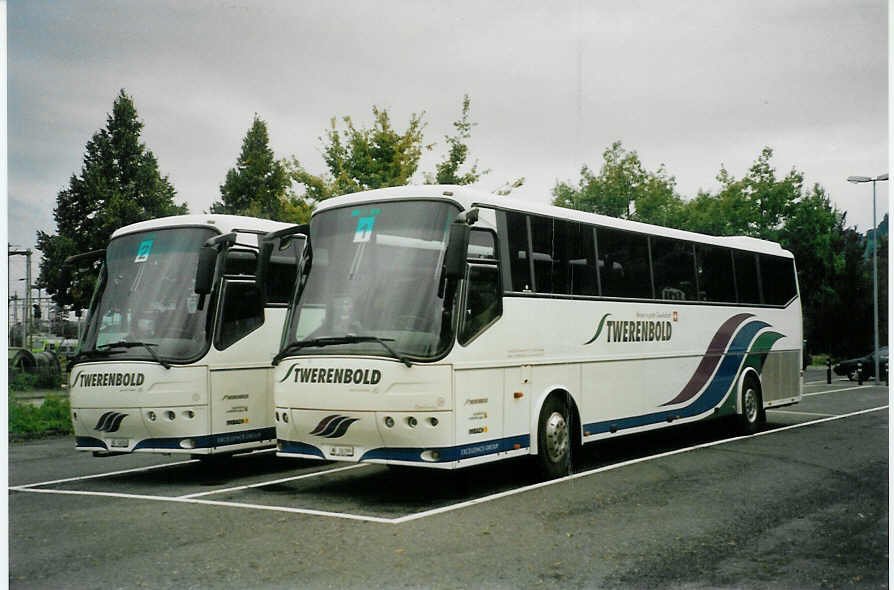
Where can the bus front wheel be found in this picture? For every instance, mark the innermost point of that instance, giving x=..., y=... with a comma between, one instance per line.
x=554, y=438
x=752, y=416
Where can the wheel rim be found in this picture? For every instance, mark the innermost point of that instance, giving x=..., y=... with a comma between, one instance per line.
x=750, y=405
x=556, y=436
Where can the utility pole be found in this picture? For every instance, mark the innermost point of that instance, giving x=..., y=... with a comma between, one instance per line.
x=26, y=323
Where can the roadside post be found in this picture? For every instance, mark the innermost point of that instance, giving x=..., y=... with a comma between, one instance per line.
x=859, y=373
x=829, y=371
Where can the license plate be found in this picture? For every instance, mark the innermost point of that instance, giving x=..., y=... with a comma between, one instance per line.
x=120, y=442
x=341, y=451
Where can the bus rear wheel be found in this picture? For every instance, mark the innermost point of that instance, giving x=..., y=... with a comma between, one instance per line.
x=555, y=438
x=752, y=417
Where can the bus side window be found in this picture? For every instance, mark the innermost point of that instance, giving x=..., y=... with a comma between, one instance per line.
x=483, y=304
x=240, y=313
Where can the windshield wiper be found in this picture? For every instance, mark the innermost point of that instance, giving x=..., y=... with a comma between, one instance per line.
x=124, y=344
x=332, y=340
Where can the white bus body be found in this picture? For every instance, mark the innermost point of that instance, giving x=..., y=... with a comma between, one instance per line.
x=570, y=328
x=164, y=369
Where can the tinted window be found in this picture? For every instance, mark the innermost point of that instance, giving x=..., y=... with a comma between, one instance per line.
x=673, y=266
x=778, y=279
x=715, y=274
x=282, y=271
x=747, y=284
x=542, y=253
x=481, y=244
x=624, y=264
x=241, y=262
x=241, y=312
x=517, y=238
x=484, y=302
x=582, y=260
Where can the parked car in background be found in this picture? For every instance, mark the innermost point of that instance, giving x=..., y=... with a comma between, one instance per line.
x=849, y=367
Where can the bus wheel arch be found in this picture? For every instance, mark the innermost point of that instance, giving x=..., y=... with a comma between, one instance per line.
x=750, y=412
x=556, y=434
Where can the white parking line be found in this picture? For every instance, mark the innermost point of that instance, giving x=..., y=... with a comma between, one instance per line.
x=544, y=484
x=835, y=390
x=107, y=474
x=306, y=511
x=799, y=413
x=443, y=509
x=274, y=482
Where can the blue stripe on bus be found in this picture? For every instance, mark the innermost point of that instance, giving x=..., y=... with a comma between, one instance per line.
x=294, y=446
x=200, y=442
x=710, y=398
x=414, y=454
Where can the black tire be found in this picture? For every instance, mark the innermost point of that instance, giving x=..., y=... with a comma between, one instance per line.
x=555, y=438
x=753, y=416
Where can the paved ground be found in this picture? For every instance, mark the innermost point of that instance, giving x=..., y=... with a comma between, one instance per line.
x=802, y=504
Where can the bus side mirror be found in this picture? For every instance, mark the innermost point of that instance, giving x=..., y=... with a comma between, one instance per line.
x=455, y=256
x=205, y=270
x=273, y=242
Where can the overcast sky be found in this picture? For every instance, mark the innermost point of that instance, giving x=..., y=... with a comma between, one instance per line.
x=693, y=85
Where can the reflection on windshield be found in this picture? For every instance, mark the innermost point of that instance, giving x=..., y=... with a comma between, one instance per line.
x=147, y=296
x=375, y=273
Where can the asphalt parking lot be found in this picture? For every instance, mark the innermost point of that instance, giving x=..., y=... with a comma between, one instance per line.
x=801, y=504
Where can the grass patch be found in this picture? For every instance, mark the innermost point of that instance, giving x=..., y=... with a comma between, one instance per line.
x=819, y=360
x=53, y=416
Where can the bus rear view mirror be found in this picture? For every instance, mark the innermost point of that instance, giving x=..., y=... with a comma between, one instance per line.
x=205, y=270
x=457, y=244
x=292, y=241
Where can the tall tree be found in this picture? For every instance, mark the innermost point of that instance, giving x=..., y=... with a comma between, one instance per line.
x=119, y=184
x=624, y=188
x=447, y=170
x=258, y=186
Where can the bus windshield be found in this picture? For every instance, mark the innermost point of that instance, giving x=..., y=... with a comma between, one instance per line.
x=374, y=280
x=145, y=306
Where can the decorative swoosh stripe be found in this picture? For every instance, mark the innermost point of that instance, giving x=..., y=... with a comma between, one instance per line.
x=710, y=360
x=717, y=390
x=109, y=422
x=289, y=372
x=323, y=424
x=333, y=426
x=598, y=330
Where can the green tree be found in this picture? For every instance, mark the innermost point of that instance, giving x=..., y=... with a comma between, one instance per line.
x=259, y=184
x=119, y=184
x=447, y=171
x=624, y=188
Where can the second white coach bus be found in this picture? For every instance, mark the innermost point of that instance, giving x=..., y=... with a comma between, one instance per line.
x=443, y=327
x=175, y=356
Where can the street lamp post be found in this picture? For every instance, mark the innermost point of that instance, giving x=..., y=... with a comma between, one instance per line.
x=858, y=180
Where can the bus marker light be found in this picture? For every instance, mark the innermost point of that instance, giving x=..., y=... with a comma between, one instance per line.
x=189, y=414
x=285, y=417
x=411, y=421
x=518, y=395
x=188, y=443
x=433, y=421
x=276, y=416
x=389, y=421
x=151, y=416
x=170, y=415
x=516, y=446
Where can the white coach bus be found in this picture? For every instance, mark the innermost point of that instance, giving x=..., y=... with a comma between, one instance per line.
x=175, y=356
x=443, y=327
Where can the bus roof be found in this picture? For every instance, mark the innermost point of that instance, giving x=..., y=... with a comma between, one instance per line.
x=468, y=197
x=222, y=223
